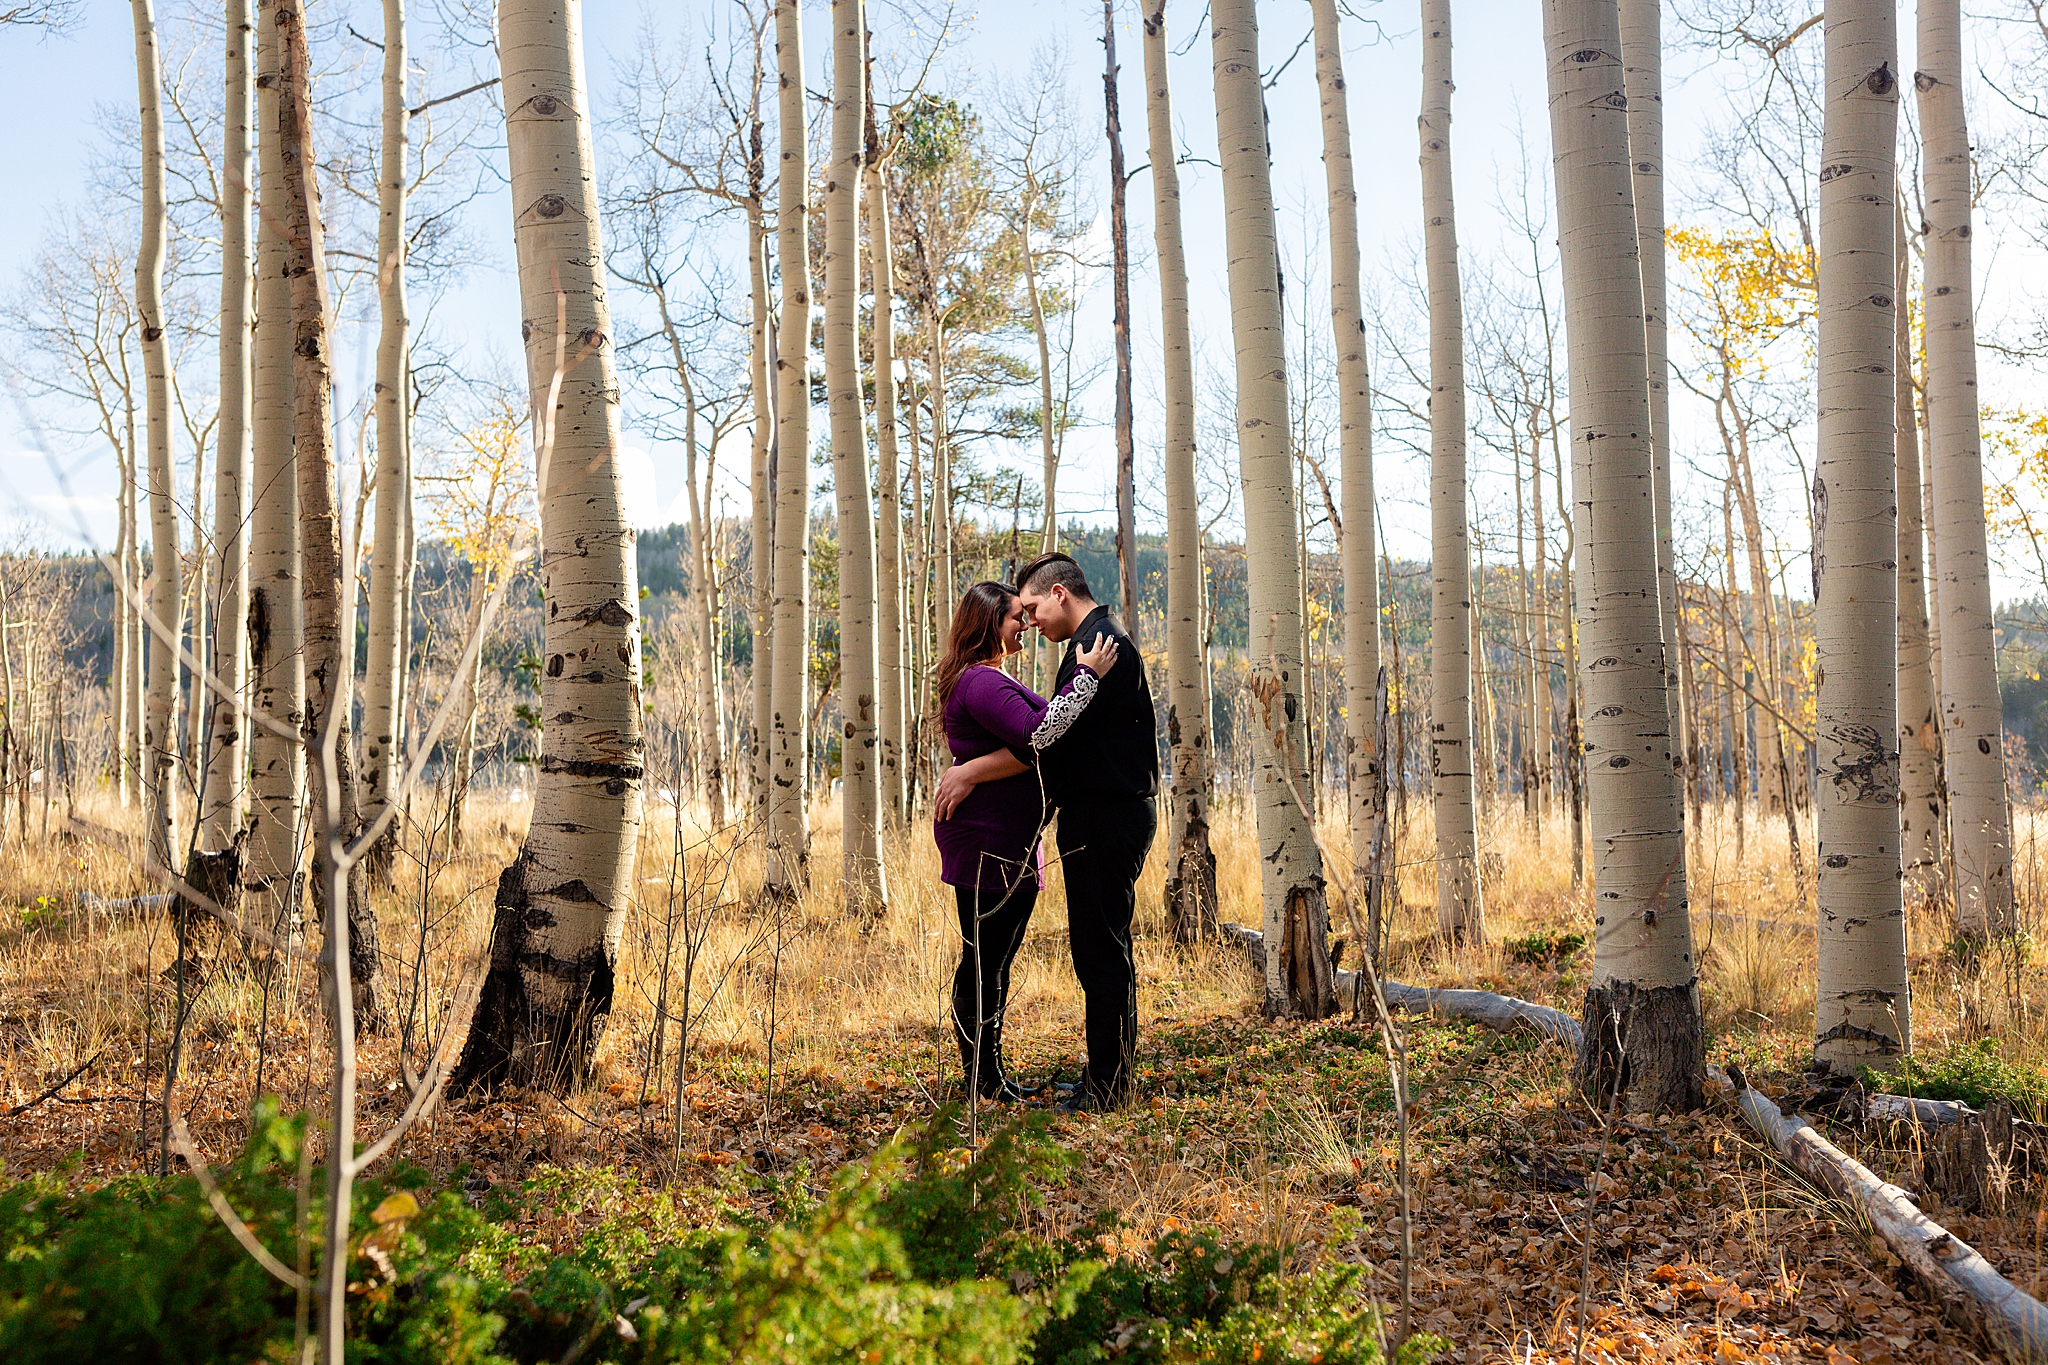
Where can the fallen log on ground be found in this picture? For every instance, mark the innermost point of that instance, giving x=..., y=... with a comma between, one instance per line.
x=1501, y=1013
x=1912, y=1109
x=1961, y=1280
x=113, y=905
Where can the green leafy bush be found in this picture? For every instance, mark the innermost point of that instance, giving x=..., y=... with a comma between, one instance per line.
x=920, y=1256
x=1971, y=1072
x=1545, y=949
x=1191, y=1296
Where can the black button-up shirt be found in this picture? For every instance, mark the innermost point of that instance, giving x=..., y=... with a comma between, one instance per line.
x=1111, y=752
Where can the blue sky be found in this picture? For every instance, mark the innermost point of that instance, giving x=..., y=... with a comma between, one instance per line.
x=1498, y=111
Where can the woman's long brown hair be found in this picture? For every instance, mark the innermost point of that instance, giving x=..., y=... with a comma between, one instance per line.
x=976, y=638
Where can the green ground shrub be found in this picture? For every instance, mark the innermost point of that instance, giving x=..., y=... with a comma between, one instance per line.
x=918, y=1256
x=1971, y=1072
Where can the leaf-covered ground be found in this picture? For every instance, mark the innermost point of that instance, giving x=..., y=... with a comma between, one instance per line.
x=1702, y=1248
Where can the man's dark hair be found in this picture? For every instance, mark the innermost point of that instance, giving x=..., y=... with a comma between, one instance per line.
x=1042, y=573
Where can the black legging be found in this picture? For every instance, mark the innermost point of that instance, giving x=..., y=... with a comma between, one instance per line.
x=992, y=925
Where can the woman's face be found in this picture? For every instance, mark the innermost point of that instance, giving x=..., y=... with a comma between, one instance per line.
x=1012, y=629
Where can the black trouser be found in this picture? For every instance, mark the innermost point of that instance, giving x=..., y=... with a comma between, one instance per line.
x=992, y=925
x=1102, y=850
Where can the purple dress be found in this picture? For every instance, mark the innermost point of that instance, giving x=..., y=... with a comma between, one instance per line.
x=992, y=839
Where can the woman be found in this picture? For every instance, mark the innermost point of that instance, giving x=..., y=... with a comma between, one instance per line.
x=988, y=846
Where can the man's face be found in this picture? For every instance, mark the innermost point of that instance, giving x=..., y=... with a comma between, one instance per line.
x=1048, y=612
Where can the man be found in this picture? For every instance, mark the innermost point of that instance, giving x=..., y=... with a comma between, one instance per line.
x=1103, y=778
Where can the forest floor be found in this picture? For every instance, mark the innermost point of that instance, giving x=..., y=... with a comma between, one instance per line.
x=813, y=1039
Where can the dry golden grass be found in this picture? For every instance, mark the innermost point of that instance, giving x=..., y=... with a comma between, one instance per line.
x=812, y=1037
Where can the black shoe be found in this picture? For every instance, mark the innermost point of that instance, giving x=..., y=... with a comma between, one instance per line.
x=1082, y=1099
x=1008, y=1091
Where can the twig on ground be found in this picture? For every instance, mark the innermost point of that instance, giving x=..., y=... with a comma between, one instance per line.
x=18, y=1110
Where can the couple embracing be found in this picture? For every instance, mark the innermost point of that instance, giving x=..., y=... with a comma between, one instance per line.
x=1089, y=753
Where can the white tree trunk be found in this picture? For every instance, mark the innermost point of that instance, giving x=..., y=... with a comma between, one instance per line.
x=1980, y=820
x=220, y=809
x=1120, y=304
x=166, y=599
x=1299, y=980
x=761, y=489
x=1919, y=728
x=888, y=487
x=704, y=610
x=562, y=904
x=1191, y=863
x=866, y=888
x=945, y=582
x=390, y=558
x=789, y=834
x=1460, y=912
x=329, y=649
x=1642, y=59
x=125, y=721
x=1864, y=1002
x=1364, y=772
x=1642, y=1020
x=277, y=659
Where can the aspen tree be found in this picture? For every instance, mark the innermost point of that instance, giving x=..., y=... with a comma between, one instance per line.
x=866, y=888
x=761, y=472
x=1919, y=732
x=1047, y=408
x=125, y=721
x=1980, y=821
x=166, y=598
x=1525, y=640
x=1642, y=1021
x=1864, y=1000
x=1364, y=778
x=1460, y=912
x=1642, y=60
x=789, y=834
x=940, y=533
x=1048, y=447
x=888, y=485
x=1731, y=654
x=198, y=629
x=390, y=558
x=1299, y=978
x=330, y=651
x=277, y=658
x=223, y=788
x=1191, y=863
x=562, y=904
x=1120, y=290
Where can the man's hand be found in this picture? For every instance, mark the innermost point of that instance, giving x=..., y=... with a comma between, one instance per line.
x=953, y=789
x=962, y=778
